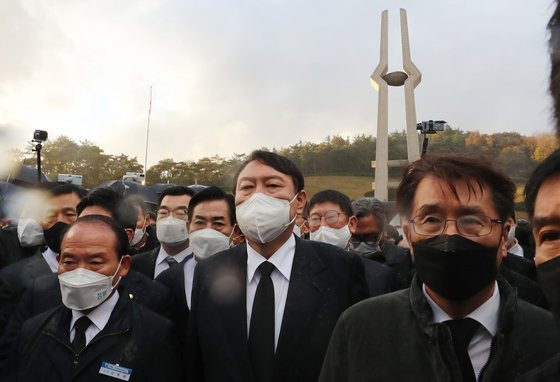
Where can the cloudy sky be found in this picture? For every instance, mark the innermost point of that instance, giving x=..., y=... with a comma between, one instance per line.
x=231, y=76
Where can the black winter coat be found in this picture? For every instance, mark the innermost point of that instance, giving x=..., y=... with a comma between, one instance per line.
x=391, y=338
x=134, y=338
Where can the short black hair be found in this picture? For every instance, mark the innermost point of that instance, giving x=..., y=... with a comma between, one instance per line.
x=476, y=172
x=277, y=162
x=112, y=201
x=121, y=240
x=332, y=196
x=547, y=168
x=68, y=188
x=175, y=191
x=213, y=193
x=137, y=201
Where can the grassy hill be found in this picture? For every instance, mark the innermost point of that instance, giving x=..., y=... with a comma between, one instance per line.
x=353, y=186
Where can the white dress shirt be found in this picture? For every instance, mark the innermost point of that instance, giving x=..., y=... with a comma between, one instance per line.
x=517, y=249
x=282, y=259
x=161, y=264
x=50, y=258
x=188, y=268
x=98, y=316
x=487, y=316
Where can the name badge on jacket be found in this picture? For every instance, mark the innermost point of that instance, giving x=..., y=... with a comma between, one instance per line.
x=115, y=371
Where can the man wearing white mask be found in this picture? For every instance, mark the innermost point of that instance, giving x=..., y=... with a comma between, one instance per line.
x=97, y=334
x=264, y=310
x=211, y=226
x=172, y=233
x=144, y=238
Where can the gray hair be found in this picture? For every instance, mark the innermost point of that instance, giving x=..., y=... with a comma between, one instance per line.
x=369, y=206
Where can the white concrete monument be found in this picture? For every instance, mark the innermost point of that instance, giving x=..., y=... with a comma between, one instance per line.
x=380, y=80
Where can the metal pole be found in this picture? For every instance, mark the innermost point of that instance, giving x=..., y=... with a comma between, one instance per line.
x=147, y=135
x=38, y=148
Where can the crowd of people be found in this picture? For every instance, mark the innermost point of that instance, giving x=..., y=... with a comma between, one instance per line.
x=265, y=285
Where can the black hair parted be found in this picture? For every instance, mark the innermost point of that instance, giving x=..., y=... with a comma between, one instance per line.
x=63, y=189
x=209, y=194
x=175, y=191
x=106, y=198
x=277, y=162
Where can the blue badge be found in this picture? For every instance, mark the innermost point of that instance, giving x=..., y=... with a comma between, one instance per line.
x=115, y=371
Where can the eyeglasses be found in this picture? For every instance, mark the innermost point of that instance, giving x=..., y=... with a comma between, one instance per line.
x=467, y=225
x=179, y=213
x=331, y=217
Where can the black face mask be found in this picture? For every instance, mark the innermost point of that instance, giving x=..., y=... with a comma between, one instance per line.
x=548, y=274
x=53, y=236
x=455, y=267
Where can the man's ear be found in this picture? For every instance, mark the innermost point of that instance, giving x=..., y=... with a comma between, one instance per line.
x=406, y=234
x=129, y=233
x=353, y=224
x=504, y=239
x=125, y=265
x=301, y=199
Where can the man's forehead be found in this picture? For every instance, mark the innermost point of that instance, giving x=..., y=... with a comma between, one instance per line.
x=64, y=200
x=211, y=208
x=258, y=169
x=547, y=201
x=175, y=200
x=443, y=193
x=324, y=207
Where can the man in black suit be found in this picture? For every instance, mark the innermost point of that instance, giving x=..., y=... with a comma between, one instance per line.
x=264, y=310
x=98, y=334
x=15, y=278
x=332, y=220
x=171, y=230
x=211, y=221
x=144, y=239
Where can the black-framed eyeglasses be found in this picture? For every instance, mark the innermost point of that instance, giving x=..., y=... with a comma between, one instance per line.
x=179, y=213
x=467, y=225
x=331, y=217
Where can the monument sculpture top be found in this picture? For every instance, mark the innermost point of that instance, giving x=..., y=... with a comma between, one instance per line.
x=380, y=80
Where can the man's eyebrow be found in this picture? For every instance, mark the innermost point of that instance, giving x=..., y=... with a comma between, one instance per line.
x=217, y=218
x=541, y=221
x=471, y=210
x=428, y=208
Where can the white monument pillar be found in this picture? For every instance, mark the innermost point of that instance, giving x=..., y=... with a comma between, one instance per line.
x=380, y=80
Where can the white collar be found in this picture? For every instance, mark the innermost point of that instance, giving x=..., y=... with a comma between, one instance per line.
x=517, y=249
x=486, y=314
x=50, y=257
x=162, y=255
x=99, y=316
x=282, y=259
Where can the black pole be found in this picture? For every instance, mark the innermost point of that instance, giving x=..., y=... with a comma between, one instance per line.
x=425, y=144
x=38, y=148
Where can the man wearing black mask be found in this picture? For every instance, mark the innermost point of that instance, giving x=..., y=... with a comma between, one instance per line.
x=458, y=321
x=14, y=279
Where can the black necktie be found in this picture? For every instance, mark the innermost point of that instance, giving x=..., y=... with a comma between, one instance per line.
x=80, y=326
x=261, y=330
x=171, y=261
x=462, y=332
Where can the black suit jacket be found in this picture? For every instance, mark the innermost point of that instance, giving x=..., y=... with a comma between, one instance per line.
x=44, y=294
x=134, y=338
x=174, y=279
x=15, y=279
x=145, y=262
x=11, y=250
x=325, y=280
x=380, y=278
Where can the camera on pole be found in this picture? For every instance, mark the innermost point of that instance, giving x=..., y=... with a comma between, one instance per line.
x=39, y=136
x=429, y=127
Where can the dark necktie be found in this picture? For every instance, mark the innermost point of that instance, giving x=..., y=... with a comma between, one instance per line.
x=462, y=332
x=171, y=261
x=261, y=330
x=80, y=326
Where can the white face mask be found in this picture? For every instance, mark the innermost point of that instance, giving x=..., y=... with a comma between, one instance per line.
x=83, y=289
x=30, y=233
x=207, y=242
x=297, y=230
x=334, y=236
x=263, y=218
x=171, y=230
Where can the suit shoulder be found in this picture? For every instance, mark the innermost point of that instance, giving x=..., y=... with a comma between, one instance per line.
x=158, y=324
x=387, y=305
